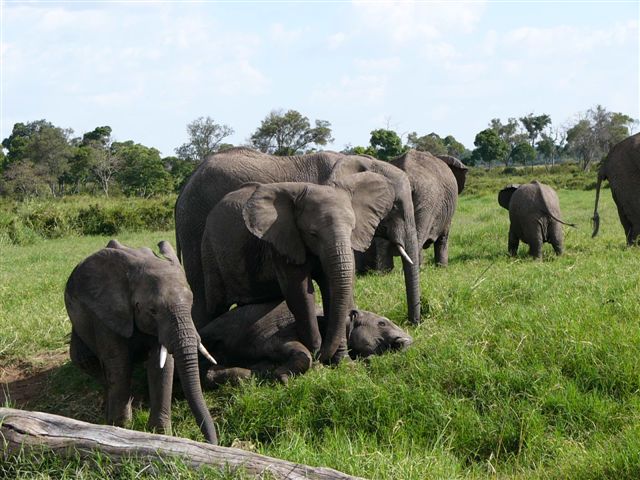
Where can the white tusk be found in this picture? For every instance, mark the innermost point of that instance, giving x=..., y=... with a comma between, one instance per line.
x=206, y=354
x=404, y=255
x=163, y=355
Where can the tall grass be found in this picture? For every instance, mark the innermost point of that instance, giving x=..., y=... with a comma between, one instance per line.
x=520, y=368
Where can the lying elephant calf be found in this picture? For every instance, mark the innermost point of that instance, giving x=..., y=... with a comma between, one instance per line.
x=261, y=338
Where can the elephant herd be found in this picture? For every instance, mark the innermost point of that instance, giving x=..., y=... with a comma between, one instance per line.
x=253, y=233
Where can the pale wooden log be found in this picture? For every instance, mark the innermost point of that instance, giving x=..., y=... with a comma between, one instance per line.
x=24, y=430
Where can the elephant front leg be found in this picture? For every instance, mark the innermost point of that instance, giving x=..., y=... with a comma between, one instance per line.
x=297, y=287
x=117, y=368
x=160, y=382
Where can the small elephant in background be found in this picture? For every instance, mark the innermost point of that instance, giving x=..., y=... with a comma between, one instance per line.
x=127, y=305
x=534, y=212
x=622, y=169
x=261, y=338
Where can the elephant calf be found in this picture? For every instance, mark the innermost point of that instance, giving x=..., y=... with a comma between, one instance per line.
x=534, y=212
x=260, y=338
x=126, y=304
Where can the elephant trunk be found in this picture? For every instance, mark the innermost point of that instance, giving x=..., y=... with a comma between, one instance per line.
x=596, y=217
x=184, y=347
x=338, y=263
x=412, y=276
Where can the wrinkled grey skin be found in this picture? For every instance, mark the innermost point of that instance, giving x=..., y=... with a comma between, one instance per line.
x=534, y=212
x=123, y=304
x=436, y=182
x=262, y=338
x=622, y=169
x=227, y=171
x=269, y=241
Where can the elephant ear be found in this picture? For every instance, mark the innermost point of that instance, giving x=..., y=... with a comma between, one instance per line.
x=372, y=197
x=101, y=284
x=167, y=252
x=458, y=168
x=349, y=165
x=504, y=196
x=270, y=215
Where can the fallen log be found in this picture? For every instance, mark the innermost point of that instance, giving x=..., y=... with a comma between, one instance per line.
x=22, y=430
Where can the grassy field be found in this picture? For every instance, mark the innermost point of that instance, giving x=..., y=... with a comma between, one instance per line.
x=520, y=369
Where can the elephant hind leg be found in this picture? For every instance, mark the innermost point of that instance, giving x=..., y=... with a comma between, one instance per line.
x=298, y=361
x=514, y=241
x=441, y=250
x=556, y=237
x=83, y=357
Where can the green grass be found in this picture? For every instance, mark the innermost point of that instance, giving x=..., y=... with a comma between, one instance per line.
x=520, y=369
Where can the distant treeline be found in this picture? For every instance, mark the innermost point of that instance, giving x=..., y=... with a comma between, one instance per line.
x=31, y=220
x=41, y=159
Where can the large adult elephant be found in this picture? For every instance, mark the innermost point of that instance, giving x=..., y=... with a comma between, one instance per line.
x=267, y=242
x=436, y=182
x=622, y=169
x=227, y=171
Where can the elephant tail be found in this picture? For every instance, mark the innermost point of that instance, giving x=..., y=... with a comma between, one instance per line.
x=560, y=221
x=596, y=217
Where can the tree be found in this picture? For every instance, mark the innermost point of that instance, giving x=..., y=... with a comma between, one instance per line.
x=358, y=150
x=595, y=132
x=523, y=154
x=509, y=134
x=143, y=173
x=454, y=147
x=21, y=180
x=205, y=138
x=289, y=133
x=386, y=144
x=105, y=166
x=489, y=147
x=179, y=169
x=534, y=125
x=431, y=143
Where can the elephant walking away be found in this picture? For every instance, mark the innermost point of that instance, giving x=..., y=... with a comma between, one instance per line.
x=534, y=212
x=436, y=182
x=127, y=305
x=622, y=169
x=267, y=242
x=261, y=339
x=226, y=171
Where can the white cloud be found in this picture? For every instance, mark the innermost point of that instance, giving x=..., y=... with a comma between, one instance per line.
x=359, y=89
x=378, y=64
x=280, y=34
x=336, y=40
x=404, y=21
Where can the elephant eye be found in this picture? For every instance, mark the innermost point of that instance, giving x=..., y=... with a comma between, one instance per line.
x=382, y=323
x=153, y=311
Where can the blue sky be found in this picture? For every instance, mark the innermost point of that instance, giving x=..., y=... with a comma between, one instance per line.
x=148, y=68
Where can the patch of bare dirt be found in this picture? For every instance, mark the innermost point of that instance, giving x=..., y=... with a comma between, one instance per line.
x=24, y=381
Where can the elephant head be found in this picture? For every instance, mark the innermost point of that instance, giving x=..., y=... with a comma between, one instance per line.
x=398, y=226
x=133, y=290
x=305, y=221
x=504, y=196
x=371, y=334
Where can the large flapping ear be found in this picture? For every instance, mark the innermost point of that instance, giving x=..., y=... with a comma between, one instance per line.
x=504, y=196
x=167, y=252
x=372, y=197
x=270, y=215
x=458, y=168
x=349, y=165
x=101, y=284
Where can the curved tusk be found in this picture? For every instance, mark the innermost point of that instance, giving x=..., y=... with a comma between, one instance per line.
x=404, y=254
x=206, y=354
x=163, y=355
